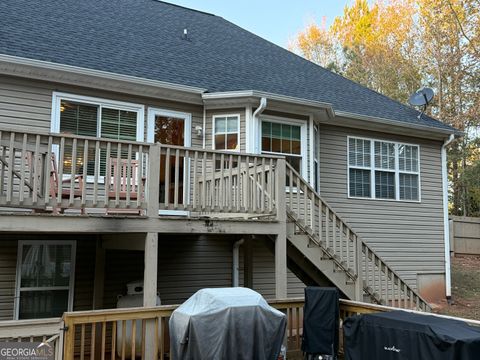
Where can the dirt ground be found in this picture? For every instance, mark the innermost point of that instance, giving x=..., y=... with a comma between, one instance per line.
x=465, y=289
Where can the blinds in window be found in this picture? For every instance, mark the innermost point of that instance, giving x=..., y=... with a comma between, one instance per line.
x=118, y=124
x=78, y=119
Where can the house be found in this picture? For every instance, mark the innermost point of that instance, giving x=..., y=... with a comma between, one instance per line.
x=144, y=140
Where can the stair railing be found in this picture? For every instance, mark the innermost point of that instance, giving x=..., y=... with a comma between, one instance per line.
x=372, y=275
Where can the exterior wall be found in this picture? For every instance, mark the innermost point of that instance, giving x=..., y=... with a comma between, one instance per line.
x=28, y=103
x=408, y=235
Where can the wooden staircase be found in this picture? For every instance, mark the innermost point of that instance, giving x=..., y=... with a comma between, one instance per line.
x=325, y=240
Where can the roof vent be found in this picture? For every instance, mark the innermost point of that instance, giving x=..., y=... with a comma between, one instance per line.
x=185, y=34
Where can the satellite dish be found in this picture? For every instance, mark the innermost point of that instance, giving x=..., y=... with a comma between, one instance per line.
x=422, y=98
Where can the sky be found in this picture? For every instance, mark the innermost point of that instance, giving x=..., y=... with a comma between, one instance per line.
x=277, y=21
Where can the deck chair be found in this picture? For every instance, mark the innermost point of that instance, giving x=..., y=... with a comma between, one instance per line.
x=57, y=186
x=123, y=182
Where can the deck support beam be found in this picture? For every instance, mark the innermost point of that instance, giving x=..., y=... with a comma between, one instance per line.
x=150, y=292
x=281, y=239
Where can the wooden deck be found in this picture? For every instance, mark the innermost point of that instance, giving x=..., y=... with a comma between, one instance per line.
x=61, y=173
x=144, y=331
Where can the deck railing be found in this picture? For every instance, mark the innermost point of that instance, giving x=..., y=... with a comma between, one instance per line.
x=62, y=172
x=46, y=331
x=122, y=333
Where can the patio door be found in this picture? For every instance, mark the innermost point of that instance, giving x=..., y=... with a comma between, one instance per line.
x=171, y=128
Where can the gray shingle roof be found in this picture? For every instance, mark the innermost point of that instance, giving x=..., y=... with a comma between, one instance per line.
x=143, y=38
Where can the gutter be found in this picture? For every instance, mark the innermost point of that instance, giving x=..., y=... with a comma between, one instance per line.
x=446, y=225
x=236, y=262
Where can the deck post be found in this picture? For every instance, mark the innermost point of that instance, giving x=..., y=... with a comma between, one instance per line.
x=153, y=182
x=150, y=291
x=281, y=239
x=359, y=262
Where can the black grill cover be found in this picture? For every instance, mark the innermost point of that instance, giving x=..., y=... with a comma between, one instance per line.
x=320, y=321
x=402, y=335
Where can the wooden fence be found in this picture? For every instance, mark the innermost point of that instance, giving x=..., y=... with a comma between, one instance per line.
x=464, y=235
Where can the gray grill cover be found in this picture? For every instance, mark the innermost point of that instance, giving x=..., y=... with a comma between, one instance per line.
x=226, y=323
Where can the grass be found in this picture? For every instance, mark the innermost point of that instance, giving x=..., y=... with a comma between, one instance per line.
x=465, y=289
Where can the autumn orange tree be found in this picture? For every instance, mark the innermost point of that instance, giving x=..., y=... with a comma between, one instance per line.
x=397, y=46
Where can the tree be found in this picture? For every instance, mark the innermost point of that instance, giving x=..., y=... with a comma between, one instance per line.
x=397, y=46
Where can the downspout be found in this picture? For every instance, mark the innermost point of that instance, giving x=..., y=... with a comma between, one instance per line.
x=256, y=126
x=446, y=228
x=236, y=262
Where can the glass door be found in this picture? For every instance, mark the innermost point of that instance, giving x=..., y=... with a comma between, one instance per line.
x=171, y=128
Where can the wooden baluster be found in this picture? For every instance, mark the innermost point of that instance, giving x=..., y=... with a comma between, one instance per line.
x=92, y=341
x=254, y=186
x=176, y=185
x=96, y=169
x=213, y=192
x=350, y=262
x=133, y=338
x=248, y=192
x=320, y=220
x=84, y=174
x=194, y=181
x=22, y=169
x=221, y=196
x=73, y=172
x=186, y=178
x=305, y=203
x=124, y=340
x=230, y=183
x=161, y=338
x=129, y=176
x=11, y=162
x=144, y=331
x=167, y=178
x=60, y=162
x=204, y=183
x=297, y=327
x=290, y=189
x=263, y=198
x=404, y=295
x=37, y=168
x=327, y=226
x=117, y=175
x=82, y=342
x=155, y=349
x=374, y=270
x=298, y=188
x=114, y=340
x=108, y=173
x=239, y=182
x=140, y=172
x=104, y=334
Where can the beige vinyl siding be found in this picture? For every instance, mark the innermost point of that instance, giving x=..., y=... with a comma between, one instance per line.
x=408, y=235
x=8, y=265
x=28, y=103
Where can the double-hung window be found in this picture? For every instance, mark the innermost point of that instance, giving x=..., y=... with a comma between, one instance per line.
x=87, y=116
x=284, y=139
x=45, y=274
x=383, y=170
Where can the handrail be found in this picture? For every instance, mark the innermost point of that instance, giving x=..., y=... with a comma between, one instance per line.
x=365, y=268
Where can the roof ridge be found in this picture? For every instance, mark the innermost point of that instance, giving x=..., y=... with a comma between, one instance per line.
x=186, y=8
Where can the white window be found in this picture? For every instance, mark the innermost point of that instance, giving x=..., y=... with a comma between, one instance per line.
x=226, y=132
x=88, y=116
x=45, y=276
x=383, y=170
x=285, y=138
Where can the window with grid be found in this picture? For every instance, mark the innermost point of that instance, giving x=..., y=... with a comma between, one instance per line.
x=226, y=132
x=96, y=120
x=45, y=274
x=383, y=170
x=284, y=139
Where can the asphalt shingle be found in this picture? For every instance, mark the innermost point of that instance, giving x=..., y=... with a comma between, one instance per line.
x=143, y=38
